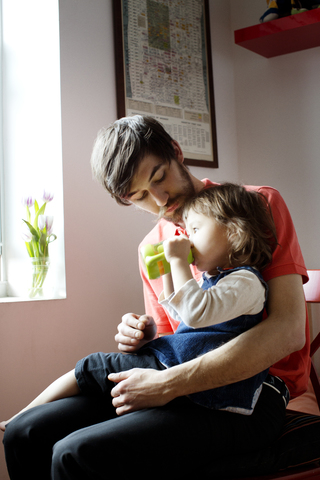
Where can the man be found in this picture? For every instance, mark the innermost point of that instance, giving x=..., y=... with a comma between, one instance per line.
x=160, y=187
x=157, y=428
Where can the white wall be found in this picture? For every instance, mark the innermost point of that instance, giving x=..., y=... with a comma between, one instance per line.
x=277, y=118
x=41, y=340
x=262, y=113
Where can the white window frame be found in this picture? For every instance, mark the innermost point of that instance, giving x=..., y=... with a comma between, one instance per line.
x=2, y=264
x=31, y=122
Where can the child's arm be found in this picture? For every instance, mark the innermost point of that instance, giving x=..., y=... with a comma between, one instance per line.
x=176, y=250
x=167, y=285
x=237, y=294
x=65, y=386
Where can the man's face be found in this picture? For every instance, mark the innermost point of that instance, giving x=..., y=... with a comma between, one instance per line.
x=161, y=188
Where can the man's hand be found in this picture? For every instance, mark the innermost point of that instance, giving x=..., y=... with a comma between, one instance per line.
x=139, y=388
x=134, y=331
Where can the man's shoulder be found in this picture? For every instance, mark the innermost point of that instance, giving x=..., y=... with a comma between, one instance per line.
x=265, y=189
x=272, y=195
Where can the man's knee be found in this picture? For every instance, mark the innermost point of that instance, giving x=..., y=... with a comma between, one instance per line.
x=63, y=455
x=9, y=436
x=22, y=445
x=17, y=433
x=70, y=458
x=82, y=455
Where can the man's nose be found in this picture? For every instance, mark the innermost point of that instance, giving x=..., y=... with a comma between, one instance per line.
x=160, y=196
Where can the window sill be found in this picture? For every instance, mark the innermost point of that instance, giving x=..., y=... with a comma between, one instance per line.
x=27, y=299
x=60, y=295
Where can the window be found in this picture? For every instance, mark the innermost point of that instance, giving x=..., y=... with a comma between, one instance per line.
x=32, y=151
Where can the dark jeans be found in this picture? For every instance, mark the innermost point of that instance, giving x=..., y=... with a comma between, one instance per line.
x=92, y=371
x=81, y=438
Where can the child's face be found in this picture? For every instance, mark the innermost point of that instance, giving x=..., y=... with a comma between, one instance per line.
x=209, y=242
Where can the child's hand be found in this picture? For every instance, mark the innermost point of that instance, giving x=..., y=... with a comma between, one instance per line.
x=176, y=250
x=177, y=247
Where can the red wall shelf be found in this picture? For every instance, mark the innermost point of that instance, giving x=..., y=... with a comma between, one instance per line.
x=284, y=35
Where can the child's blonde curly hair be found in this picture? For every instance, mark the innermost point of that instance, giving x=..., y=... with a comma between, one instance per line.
x=248, y=218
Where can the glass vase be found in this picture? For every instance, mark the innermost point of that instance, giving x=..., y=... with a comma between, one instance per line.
x=39, y=271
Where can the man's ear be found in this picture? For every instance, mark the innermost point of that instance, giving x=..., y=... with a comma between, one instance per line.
x=178, y=152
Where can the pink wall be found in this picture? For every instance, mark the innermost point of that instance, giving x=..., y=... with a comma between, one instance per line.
x=41, y=340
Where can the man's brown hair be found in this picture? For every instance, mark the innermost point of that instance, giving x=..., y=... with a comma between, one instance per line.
x=119, y=149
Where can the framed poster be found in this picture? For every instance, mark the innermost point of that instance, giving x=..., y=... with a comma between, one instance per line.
x=164, y=69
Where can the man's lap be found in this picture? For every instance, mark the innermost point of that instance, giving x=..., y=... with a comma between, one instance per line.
x=196, y=436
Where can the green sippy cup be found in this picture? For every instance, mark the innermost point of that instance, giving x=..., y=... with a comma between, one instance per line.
x=155, y=261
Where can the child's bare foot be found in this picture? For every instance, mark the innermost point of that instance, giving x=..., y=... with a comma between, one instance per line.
x=5, y=422
x=3, y=425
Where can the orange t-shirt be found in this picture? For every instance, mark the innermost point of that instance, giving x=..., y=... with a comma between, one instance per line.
x=287, y=259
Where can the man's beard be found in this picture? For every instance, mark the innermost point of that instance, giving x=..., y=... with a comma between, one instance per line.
x=188, y=190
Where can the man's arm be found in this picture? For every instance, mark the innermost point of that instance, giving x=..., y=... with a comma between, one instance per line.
x=282, y=333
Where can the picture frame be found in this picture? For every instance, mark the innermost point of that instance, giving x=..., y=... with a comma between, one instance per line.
x=164, y=69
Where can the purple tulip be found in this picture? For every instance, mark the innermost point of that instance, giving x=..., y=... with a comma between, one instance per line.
x=46, y=221
x=27, y=201
x=47, y=196
x=26, y=234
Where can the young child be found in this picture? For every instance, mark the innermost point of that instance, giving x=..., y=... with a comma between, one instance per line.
x=232, y=236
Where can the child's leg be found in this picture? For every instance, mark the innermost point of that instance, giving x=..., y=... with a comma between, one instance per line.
x=90, y=377
x=65, y=386
x=92, y=372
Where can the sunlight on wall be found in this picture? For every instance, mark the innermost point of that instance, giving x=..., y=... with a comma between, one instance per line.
x=32, y=131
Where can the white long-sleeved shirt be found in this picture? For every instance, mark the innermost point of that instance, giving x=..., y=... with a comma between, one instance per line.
x=239, y=293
